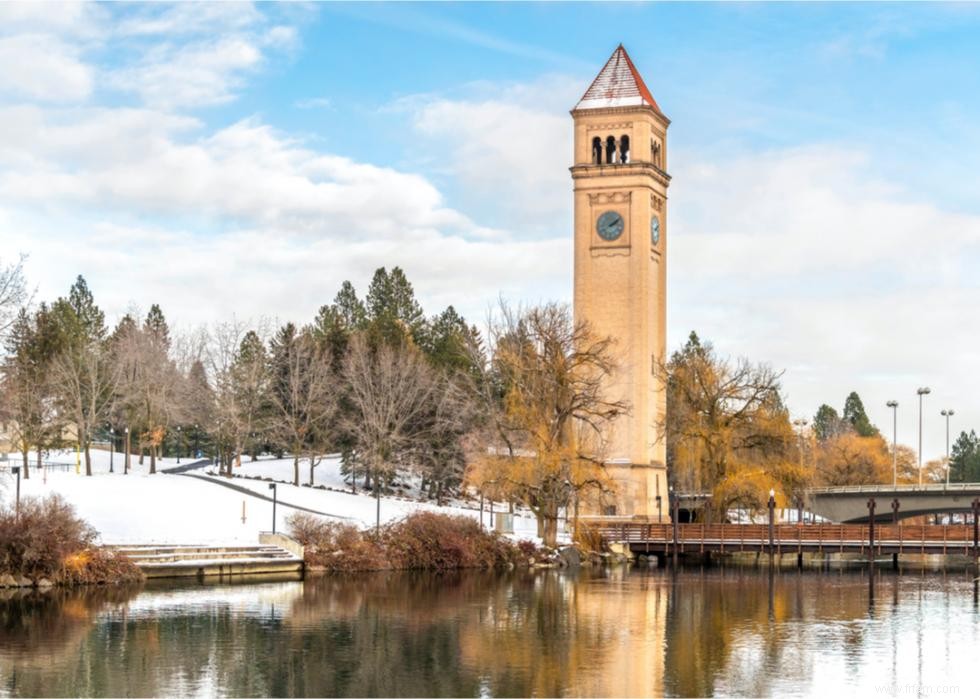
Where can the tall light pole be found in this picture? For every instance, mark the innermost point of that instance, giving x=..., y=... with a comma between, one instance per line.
x=801, y=424
x=178, y=444
x=112, y=447
x=893, y=404
x=922, y=392
x=947, y=414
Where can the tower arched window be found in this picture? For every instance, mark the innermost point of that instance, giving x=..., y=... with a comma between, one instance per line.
x=655, y=152
x=624, y=149
x=597, y=150
x=611, y=150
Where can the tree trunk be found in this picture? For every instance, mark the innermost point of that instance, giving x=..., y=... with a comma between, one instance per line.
x=312, y=466
x=550, y=526
x=153, y=460
x=142, y=454
x=126, y=462
x=88, y=460
x=39, y=466
x=296, y=470
x=26, y=471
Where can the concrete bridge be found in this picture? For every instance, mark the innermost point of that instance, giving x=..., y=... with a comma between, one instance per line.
x=851, y=504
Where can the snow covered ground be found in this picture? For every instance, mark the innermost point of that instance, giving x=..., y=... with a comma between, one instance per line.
x=162, y=508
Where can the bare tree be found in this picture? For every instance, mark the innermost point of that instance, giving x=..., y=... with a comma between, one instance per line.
x=238, y=368
x=392, y=390
x=304, y=402
x=85, y=376
x=13, y=294
x=549, y=413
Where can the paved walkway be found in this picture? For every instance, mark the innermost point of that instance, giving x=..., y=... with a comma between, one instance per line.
x=260, y=496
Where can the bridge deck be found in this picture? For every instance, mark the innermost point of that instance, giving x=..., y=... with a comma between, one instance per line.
x=954, y=539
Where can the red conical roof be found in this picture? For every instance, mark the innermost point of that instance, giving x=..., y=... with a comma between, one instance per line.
x=618, y=84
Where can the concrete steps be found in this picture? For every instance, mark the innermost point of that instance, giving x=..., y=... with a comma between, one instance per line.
x=201, y=561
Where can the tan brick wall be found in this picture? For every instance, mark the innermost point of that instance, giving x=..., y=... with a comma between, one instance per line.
x=620, y=289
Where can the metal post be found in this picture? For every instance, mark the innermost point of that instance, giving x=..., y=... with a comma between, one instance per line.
x=272, y=487
x=16, y=471
x=976, y=527
x=126, y=460
x=675, y=517
x=178, y=444
x=481, y=509
x=921, y=391
x=772, y=522
x=871, y=530
x=895, y=506
x=112, y=447
x=947, y=414
x=893, y=404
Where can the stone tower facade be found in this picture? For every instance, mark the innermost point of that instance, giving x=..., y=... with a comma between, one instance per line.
x=620, y=184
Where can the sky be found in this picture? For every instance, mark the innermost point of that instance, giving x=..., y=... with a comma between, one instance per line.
x=237, y=159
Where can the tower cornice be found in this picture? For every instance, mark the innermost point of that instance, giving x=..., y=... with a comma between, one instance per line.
x=620, y=170
x=632, y=109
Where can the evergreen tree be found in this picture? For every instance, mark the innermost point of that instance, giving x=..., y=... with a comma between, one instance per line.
x=857, y=418
x=350, y=308
x=446, y=341
x=156, y=326
x=393, y=313
x=964, y=459
x=88, y=317
x=826, y=423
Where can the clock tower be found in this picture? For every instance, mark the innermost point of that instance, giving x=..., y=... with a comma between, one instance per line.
x=620, y=184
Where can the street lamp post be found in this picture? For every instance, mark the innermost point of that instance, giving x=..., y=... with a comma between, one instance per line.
x=112, y=447
x=893, y=404
x=16, y=471
x=801, y=423
x=925, y=390
x=178, y=444
x=126, y=460
x=947, y=414
x=272, y=487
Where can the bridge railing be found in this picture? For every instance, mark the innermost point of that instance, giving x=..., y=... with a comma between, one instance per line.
x=844, y=536
x=903, y=488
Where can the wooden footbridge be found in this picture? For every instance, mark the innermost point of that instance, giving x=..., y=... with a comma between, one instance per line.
x=870, y=540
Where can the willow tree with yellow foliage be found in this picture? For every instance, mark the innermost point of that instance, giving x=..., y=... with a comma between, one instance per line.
x=544, y=439
x=728, y=431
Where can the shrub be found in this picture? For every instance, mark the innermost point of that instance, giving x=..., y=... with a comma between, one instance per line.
x=442, y=542
x=334, y=545
x=424, y=540
x=48, y=540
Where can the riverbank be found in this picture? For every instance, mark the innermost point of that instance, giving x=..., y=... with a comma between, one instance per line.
x=421, y=541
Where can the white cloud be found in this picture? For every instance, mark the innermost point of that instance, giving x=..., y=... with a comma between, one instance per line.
x=42, y=67
x=190, y=75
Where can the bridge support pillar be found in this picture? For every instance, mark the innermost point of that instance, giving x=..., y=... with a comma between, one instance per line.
x=894, y=561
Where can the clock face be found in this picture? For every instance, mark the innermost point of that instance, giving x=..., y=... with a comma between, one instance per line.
x=609, y=226
x=654, y=230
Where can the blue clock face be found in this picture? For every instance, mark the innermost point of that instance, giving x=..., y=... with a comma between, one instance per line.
x=609, y=226
x=654, y=230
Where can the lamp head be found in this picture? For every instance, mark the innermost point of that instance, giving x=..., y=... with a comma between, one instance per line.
x=892, y=404
x=272, y=486
x=772, y=492
x=15, y=470
x=925, y=390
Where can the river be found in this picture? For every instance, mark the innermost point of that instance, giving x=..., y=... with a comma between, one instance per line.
x=619, y=632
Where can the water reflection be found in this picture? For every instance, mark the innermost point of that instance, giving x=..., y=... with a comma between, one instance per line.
x=688, y=632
